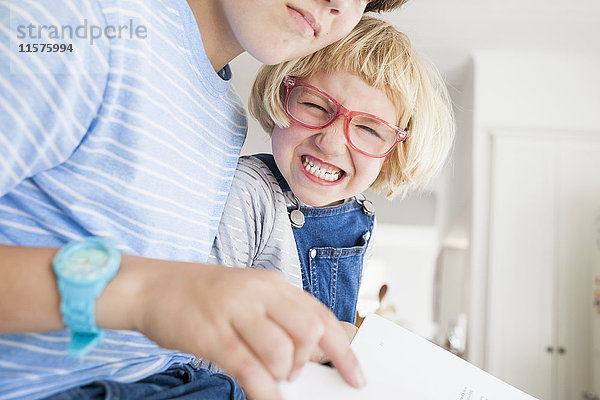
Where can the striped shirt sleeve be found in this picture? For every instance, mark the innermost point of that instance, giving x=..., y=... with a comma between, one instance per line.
x=48, y=99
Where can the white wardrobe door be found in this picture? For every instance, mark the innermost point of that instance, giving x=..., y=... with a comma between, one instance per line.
x=578, y=178
x=521, y=264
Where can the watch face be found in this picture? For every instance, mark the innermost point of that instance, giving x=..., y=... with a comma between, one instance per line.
x=85, y=265
x=86, y=261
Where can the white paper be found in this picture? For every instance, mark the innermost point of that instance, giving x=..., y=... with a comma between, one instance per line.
x=401, y=365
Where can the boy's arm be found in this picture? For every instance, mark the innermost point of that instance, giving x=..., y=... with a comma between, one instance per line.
x=48, y=99
x=249, y=322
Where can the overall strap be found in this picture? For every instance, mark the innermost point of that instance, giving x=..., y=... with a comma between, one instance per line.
x=269, y=161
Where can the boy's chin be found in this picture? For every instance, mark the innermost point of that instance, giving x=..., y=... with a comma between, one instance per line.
x=280, y=52
x=272, y=57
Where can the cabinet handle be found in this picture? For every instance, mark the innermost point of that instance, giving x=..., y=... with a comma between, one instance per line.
x=562, y=350
x=589, y=395
x=550, y=349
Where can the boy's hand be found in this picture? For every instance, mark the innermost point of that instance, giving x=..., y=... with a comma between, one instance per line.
x=319, y=356
x=251, y=323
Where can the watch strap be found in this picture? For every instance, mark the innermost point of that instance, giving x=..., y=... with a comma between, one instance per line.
x=80, y=317
x=82, y=343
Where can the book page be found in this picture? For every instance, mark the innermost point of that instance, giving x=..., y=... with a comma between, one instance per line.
x=399, y=364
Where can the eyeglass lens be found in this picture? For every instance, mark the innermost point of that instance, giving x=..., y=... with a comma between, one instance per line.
x=316, y=110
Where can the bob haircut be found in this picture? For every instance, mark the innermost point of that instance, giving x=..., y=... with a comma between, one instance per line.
x=385, y=59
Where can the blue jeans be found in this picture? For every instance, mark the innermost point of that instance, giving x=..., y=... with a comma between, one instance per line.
x=180, y=381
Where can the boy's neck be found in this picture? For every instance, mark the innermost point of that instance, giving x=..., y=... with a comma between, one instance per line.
x=219, y=42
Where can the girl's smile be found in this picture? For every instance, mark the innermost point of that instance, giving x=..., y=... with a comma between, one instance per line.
x=321, y=172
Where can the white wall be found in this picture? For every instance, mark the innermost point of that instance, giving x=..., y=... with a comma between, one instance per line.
x=404, y=259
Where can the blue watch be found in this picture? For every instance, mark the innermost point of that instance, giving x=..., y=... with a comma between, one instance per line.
x=83, y=269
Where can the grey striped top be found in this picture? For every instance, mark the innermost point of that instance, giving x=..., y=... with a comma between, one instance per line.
x=255, y=230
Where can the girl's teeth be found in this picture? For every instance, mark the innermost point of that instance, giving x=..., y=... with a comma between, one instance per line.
x=330, y=176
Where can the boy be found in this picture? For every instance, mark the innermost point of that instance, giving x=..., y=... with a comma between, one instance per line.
x=133, y=134
x=364, y=112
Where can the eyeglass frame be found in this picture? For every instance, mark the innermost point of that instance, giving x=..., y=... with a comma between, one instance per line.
x=291, y=83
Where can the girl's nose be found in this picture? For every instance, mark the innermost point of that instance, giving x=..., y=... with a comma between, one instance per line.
x=331, y=140
x=337, y=7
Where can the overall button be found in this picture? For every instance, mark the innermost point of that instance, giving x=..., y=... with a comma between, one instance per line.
x=368, y=207
x=313, y=253
x=297, y=218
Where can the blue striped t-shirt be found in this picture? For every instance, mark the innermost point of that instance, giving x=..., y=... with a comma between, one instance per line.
x=130, y=136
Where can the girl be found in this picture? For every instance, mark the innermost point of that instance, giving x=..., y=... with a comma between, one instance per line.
x=365, y=112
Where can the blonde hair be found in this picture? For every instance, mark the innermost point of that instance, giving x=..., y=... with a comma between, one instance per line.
x=385, y=59
x=384, y=5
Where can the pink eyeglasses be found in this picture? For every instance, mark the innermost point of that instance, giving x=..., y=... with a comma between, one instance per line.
x=315, y=109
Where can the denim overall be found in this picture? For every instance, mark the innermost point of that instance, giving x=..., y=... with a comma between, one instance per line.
x=331, y=245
